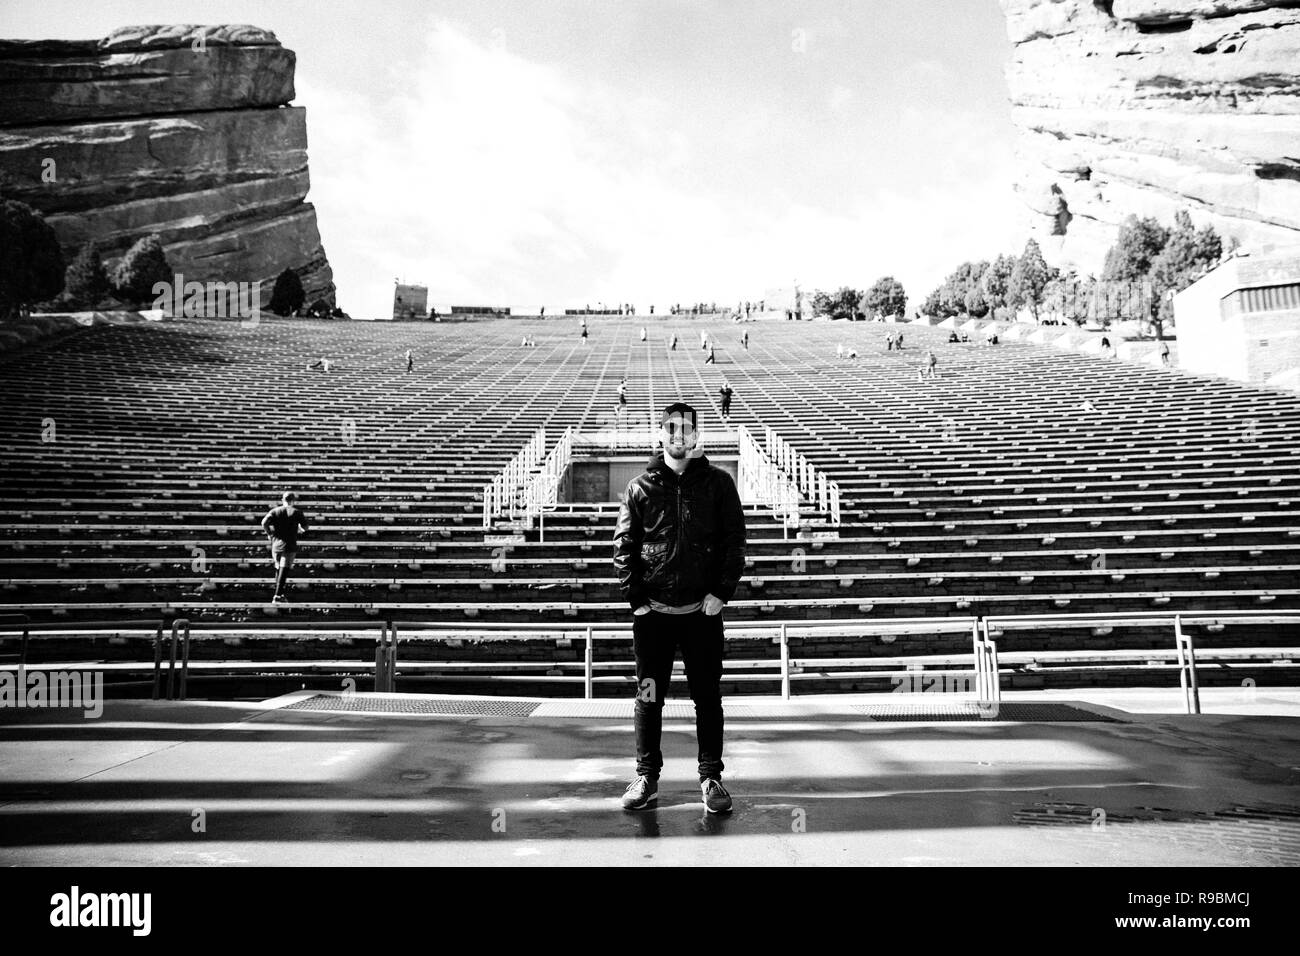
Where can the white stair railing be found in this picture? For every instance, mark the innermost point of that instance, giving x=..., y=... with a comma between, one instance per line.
x=542, y=492
x=762, y=480
x=503, y=494
x=794, y=468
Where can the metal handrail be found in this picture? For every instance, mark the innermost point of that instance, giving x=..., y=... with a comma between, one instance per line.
x=502, y=491
x=984, y=650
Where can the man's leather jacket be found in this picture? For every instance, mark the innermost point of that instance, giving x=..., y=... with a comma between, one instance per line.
x=678, y=539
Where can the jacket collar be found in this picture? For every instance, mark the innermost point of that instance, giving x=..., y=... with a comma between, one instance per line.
x=694, y=467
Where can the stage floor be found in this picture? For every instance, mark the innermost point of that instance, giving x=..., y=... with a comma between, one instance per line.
x=816, y=781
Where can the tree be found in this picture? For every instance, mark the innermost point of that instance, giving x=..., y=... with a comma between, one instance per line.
x=1139, y=241
x=887, y=297
x=995, y=283
x=821, y=303
x=933, y=304
x=287, y=296
x=31, y=262
x=1065, y=296
x=86, y=280
x=1029, y=277
x=143, y=267
x=949, y=299
x=1185, y=255
x=975, y=303
x=842, y=304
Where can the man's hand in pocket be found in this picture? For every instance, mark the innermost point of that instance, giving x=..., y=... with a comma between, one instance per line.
x=712, y=606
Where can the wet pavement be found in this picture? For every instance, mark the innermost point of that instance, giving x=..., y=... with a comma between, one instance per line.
x=1123, y=780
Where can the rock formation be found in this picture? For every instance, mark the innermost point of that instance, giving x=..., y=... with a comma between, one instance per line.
x=1151, y=106
x=182, y=131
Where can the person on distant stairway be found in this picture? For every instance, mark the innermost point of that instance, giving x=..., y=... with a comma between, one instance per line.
x=744, y=339
x=622, y=396
x=410, y=361
x=931, y=360
x=725, y=391
x=282, y=525
x=711, y=358
x=672, y=343
x=643, y=333
x=679, y=551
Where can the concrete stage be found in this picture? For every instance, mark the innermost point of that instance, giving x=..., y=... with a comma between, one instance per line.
x=816, y=781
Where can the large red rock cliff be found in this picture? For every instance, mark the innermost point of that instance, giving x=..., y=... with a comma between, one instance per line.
x=184, y=131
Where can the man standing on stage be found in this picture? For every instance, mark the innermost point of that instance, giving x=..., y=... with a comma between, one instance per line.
x=679, y=550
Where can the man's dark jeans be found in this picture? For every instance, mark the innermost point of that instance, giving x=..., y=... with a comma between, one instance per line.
x=655, y=639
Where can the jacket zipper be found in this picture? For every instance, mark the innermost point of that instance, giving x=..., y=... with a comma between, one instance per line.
x=680, y=529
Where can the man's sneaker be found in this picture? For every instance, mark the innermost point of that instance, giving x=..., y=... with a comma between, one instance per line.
x=716, y=798
x=641, y=793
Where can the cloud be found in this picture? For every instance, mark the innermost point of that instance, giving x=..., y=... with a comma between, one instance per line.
x=502, y=181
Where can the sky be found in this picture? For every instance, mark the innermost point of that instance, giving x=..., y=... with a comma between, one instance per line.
x=573, y=152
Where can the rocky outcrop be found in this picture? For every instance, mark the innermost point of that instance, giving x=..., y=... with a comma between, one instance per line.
x=1151, y=106
x=178, y=130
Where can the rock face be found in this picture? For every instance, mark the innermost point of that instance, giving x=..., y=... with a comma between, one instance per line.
x=178, y=130
x=1151, y=106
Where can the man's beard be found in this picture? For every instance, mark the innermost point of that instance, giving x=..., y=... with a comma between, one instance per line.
x=681, y=454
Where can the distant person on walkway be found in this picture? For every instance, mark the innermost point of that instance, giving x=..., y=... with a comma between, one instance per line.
x=931, y=360
x=744, y=339
x=542, y=313
x=672, y=343
x=282, y=525
x=711, y=358
x=889, y=341
x=725, y=391
x=704, y=339
x=622, y=395
x=952, y=337
x=1164, y=353
x=643, y=333
x=993, y=338
x=584, y=331
x=853, y=353
x=898, y=340
x=677, y=568
x=839, y=350
x=410, y=360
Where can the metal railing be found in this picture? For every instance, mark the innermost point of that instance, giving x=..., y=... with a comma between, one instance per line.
x=781, y=477
x=502, y=492
x=986, y=665
x=811, y=481
x=542, y=490
x=762, y=481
